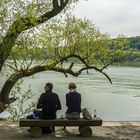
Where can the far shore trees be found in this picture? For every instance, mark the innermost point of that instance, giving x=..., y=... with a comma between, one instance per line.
x=70, y=40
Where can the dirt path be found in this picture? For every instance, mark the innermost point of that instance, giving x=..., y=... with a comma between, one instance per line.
x=109, y=131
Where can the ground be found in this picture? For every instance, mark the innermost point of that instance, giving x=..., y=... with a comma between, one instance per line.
x=109, y=131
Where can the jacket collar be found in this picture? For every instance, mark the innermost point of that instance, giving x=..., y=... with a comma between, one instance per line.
x=72, y=90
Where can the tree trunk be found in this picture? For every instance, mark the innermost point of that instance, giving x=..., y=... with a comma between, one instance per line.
x=4, y=95
x=6, y=89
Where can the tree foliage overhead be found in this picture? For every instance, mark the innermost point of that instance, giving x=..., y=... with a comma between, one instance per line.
x=17, y=16
x=61, y=40
x=76, y=37
x=70, y=40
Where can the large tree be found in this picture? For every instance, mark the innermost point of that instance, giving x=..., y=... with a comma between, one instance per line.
x=17, y=16
x=69, y=40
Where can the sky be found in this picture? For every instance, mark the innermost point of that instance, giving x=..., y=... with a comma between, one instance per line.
x=112, y=16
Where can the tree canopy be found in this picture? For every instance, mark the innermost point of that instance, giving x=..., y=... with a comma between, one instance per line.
x=17, y=16
x=47, y=48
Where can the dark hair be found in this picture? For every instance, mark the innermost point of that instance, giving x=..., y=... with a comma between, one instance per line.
x=49, y=85
x=72, y=85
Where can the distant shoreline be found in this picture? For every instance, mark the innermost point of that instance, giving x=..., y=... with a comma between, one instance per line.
x=131, y=64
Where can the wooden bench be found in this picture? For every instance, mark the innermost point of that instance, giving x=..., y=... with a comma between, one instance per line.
x=83, y=125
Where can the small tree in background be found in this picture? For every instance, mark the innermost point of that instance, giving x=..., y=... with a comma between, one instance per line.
x=24, y=102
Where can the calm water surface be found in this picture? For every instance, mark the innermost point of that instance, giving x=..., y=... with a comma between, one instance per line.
x=117, y=101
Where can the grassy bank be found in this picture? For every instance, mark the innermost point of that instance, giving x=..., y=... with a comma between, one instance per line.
x=130, y=63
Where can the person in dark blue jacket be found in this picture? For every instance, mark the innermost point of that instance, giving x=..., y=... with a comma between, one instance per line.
x=73, y=102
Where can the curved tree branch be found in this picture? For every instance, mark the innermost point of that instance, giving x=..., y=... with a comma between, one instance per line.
x=88, y=66
x=4, y=95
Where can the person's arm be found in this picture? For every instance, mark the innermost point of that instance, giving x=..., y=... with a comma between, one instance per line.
x=80, y=99
x=40, y=101
x=67, y=100
x=58, y=104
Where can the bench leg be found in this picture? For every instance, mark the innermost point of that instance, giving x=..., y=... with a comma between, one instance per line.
x=53, y=129
x=85, y=131
x=36, y=132
x=64, y=127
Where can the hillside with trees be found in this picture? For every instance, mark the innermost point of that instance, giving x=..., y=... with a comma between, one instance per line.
x=134, y=42
x=134, y=58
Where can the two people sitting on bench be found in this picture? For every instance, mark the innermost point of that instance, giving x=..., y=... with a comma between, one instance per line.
x=49, y=103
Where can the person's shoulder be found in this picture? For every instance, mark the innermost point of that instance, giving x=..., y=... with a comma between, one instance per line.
x=78, y=93
x=42, y=94
x=55, y=94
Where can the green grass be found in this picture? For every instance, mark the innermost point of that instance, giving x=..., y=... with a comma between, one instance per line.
x=131, y=63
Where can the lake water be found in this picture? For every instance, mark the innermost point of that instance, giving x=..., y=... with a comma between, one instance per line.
x=117, y=101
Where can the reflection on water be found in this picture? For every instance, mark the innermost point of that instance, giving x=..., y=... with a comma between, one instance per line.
x=117, y=101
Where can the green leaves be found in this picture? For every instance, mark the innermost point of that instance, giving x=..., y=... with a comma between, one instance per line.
x=23, y=105
x=73, y=36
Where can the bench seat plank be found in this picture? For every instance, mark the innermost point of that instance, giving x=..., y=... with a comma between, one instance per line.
x=23, y=122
